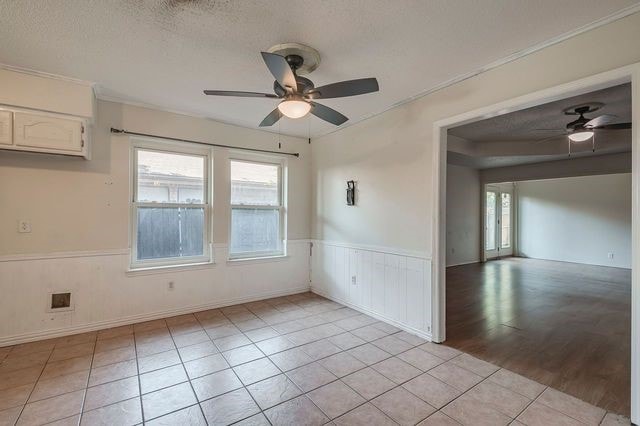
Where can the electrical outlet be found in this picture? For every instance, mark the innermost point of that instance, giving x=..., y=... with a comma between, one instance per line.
x=170, y=286
x=610, y=255
x=353, y=280
x=24, y=227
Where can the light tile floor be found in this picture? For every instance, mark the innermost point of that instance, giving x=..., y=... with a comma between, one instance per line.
x=292, y=360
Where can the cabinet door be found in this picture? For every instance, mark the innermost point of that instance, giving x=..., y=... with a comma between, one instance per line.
x=48, y=133
x=6, y=125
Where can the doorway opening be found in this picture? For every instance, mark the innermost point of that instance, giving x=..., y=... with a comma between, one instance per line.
x=513, y=162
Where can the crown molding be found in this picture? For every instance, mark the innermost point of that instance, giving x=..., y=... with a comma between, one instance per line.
x=37, y=73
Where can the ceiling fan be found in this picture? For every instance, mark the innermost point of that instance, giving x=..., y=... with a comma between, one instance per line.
x=583, y=128
x=298, y=93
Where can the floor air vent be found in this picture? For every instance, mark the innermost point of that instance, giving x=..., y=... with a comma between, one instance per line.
x=60, y=302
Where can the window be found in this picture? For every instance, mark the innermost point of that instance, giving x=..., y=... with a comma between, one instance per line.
x=257, y=209
x=170, y=209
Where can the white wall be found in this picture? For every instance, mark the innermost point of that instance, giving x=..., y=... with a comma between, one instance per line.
x=580, y=219
x=463, y=215
x=79, y=212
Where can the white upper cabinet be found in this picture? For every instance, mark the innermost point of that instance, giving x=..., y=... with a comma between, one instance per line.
x=6, y=126
x=22, y=130
x=43, y=132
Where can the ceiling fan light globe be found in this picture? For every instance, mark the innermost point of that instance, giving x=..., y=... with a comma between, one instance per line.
x=294, y=108
x=581, y=136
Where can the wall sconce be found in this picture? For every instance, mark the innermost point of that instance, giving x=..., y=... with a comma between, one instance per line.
x=351, y=193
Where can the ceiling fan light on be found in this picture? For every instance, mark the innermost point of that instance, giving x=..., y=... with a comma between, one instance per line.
x=294, y=108
x=581, y=136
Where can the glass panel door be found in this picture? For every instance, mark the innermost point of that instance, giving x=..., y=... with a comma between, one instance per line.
x=505, y=220
x=498, y=230
x=490, y=224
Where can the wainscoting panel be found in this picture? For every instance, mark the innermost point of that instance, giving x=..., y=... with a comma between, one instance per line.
x=105, y=294
x=386, y=283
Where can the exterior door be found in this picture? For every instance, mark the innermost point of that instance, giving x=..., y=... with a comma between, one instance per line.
x=498, y=221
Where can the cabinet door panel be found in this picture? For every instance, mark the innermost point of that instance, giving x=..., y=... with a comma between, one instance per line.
x=6, y=125
x=34, y=131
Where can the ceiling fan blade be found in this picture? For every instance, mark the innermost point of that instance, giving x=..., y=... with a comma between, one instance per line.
x=345, y=88
x=327, y=114
x=615, y=126
x=281, y=70
x=272, y=118
x=600, y=120
x=240, y=94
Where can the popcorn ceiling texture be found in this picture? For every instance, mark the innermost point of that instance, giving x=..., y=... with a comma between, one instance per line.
x=164, y=53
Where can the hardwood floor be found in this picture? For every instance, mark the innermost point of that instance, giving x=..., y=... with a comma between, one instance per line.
x=562, y=324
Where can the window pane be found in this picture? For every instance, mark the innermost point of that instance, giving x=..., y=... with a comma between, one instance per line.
x=170, y=178
x=255, y=230
x=505, y=221
x=490, y=222
x=170, y=232
x=254, y=184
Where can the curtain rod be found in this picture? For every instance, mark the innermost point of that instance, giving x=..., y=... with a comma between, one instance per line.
x=126, y=132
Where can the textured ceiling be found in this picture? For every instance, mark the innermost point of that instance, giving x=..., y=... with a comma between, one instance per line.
x=163, y=53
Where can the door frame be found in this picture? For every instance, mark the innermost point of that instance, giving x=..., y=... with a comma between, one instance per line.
x=629, y=73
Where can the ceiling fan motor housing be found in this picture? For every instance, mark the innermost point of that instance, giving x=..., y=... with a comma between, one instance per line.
x=578, y=124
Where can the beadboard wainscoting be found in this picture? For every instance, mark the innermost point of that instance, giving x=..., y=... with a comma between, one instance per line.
x=105, y=294
x=393, y=285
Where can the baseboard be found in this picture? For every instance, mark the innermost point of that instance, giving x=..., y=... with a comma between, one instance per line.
x=471, y=262
x=375, y=315
x=60, y=332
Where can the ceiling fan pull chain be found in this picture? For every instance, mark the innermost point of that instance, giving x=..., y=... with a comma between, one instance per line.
x=593, y=142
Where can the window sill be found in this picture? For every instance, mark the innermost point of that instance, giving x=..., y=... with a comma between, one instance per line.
x=165, y=269
x=251, y=260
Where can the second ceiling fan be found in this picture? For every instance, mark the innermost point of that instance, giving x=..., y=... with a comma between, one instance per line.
x=298, y=93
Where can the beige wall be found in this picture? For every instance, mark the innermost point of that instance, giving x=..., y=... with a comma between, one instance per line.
x=463, y=215
x=79, y=205
x=390, y=155
x=583, y=219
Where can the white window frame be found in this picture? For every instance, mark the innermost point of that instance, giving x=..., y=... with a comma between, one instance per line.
x=177, y=148
x=282, y=203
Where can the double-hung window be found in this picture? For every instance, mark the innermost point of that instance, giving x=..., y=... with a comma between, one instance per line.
x=257, y=208
x=171, y=204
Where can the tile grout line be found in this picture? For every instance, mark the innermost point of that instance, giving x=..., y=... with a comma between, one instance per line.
x=186, y=374
x=135, y=349
x=35, y=383
x=86, y=389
